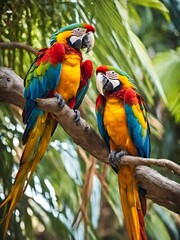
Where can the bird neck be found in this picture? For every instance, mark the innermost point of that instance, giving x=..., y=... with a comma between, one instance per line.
x=71, y=50
x=116, y=95
x=63, y=37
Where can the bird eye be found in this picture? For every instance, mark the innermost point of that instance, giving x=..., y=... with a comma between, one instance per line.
x=113, y=72
x=78, y=29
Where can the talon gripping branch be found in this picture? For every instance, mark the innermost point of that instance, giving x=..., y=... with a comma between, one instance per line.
x=122, y=122
x=57, y=71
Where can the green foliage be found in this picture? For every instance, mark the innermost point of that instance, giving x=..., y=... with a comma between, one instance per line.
x=167, y=65
x=153, y=4
x=166, y=228
x=52, y=199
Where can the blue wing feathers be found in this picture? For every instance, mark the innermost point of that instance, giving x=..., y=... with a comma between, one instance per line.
x=100, y=103
x=86, y=74
x=102, y=129
x=80, y=95
x=38, y=86
x=41, y=86
x=30, y=104
x=31, y=122
x=141, y=141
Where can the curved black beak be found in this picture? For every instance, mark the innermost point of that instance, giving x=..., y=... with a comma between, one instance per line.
x=77, y=44
x=107, y=85
x=88, y=41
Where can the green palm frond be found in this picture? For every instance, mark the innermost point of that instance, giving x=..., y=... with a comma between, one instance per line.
x=54, y=195
x=160, y=224
x=167, y=65
x=156, y=4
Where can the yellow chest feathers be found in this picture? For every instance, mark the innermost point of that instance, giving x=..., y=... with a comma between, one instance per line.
x=116, y=125
x=114, y=116
x=70, y=76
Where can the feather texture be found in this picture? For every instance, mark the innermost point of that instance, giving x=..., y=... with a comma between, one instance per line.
x=58, y=69
x=137, y=122
x=122, y=122
x=100, y=104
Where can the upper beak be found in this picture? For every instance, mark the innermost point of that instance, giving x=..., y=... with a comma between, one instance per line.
x=88, y=41
x=107, y=85
x=103, y=84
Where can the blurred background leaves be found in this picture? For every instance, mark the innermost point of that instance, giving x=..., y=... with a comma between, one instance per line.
x=142, y=37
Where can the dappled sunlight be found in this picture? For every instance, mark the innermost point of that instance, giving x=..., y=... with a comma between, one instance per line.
x=72, y=195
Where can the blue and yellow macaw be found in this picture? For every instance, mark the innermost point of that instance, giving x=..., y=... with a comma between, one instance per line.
x=57, y=71
x=122, y=122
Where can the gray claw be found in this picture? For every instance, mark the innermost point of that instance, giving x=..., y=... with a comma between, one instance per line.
x=77, y=117
x=60, y=100
x=115, y=159
x=121, y=154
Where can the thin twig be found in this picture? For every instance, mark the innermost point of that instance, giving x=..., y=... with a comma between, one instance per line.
x=11, y=90
x=13, y=45
x=151, y=161
x=65, y=116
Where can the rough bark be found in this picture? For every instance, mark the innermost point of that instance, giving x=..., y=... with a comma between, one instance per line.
x=13, y=45
x=161, y=190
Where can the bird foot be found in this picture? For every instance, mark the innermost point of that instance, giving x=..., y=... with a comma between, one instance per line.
x=115, y=159
x=60, y=100
x=77, y=117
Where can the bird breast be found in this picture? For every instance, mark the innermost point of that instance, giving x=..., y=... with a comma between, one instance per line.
x=70, y=77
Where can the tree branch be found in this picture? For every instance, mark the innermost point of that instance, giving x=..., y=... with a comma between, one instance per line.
x=11, y=87
x=158, y=187
x=13, y=45
x=151, y=161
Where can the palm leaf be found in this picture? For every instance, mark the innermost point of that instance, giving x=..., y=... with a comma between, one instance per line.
x=56, y=181
x=153, y=4
x=167, y=65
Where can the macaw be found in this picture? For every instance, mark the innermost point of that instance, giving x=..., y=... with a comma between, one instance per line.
x=56, y=71
x=123, y=124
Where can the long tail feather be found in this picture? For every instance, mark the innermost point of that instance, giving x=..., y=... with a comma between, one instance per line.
x=131, y=204
x=33, y=152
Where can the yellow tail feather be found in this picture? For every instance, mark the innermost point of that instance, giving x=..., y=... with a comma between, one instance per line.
x=131, y=205
x=30, y=158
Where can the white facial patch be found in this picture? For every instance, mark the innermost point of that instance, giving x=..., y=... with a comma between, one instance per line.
x=112, y=75
x=78, y=32
x=113, y=78
x=74, y=39
x=115, y=83
x=99, y=83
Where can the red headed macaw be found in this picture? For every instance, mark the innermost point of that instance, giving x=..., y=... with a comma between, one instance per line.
x=57, y=71
x=122, y=122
